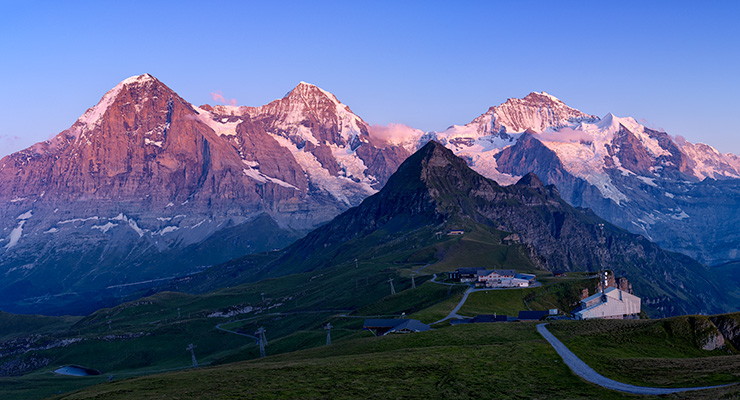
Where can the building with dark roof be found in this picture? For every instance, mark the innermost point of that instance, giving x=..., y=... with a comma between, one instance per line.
x=532, y=315
x=489, y=318
x=381, y=327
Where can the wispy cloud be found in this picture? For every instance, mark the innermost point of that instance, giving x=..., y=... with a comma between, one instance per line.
x=219, y=97
x=394, y=133
x=651, y=125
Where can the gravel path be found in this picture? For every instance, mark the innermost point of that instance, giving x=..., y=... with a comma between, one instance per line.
x=584, y=371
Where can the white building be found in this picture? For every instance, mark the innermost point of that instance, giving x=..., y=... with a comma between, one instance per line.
x=612, y=304
x=506, y=279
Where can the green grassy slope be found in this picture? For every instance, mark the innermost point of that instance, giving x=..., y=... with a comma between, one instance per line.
x=666, y=352
x=505, y=361
x=502, y=361
x=13, y=325
x=563, y=294
x=449, y=362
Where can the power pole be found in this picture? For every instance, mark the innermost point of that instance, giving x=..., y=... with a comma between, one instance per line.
x=262, y=340
x=393, y=290
x=413, y=282
x=191, y=349
x=328, y=333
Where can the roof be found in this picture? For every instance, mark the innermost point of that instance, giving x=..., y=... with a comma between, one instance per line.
x=609, y=292
x=501, y=271
x=597, y=295
x=489, y=318
x=413, y=325
x=532, y=314
x=469, y=270
x=629, y=302
x=396, y=325
x=484, y=318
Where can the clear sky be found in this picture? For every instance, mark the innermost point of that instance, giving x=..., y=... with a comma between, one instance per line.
x=673, y=65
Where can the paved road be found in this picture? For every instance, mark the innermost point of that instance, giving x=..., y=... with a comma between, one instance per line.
x=453, y=313
x=584, y=371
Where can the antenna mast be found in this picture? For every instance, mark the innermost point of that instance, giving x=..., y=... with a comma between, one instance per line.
x=602, y=259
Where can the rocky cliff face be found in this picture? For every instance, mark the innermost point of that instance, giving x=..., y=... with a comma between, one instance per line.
x=137, y=187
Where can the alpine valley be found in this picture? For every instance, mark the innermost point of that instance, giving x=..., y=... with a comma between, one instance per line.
x=146, y=187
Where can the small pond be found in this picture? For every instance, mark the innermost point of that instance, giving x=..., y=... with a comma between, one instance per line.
x=76, y=370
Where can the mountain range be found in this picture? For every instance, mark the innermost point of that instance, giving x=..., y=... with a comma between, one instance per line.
x=523, y=226
x=146, y=186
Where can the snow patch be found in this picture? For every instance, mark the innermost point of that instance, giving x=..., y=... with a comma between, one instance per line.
x=26, y=215
x=336, y=186
x=233, y=311
x=262, y=178
x=15, y=234
x=152, y=142
x=351, y=164
x=131, y=223
x=648, y=181
x=104, y=228
x=69, y=221
x=52, y=230
x=222, y=128
x=166, y=230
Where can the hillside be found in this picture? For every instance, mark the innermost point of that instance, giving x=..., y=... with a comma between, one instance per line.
x=153, y=332
x=499, y=360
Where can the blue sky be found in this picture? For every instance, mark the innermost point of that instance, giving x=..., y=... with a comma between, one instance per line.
x=671, y=64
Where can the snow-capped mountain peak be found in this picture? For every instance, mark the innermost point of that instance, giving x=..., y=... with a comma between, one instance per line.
x=537, y=112
x=92, y=117
x=548, y=95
